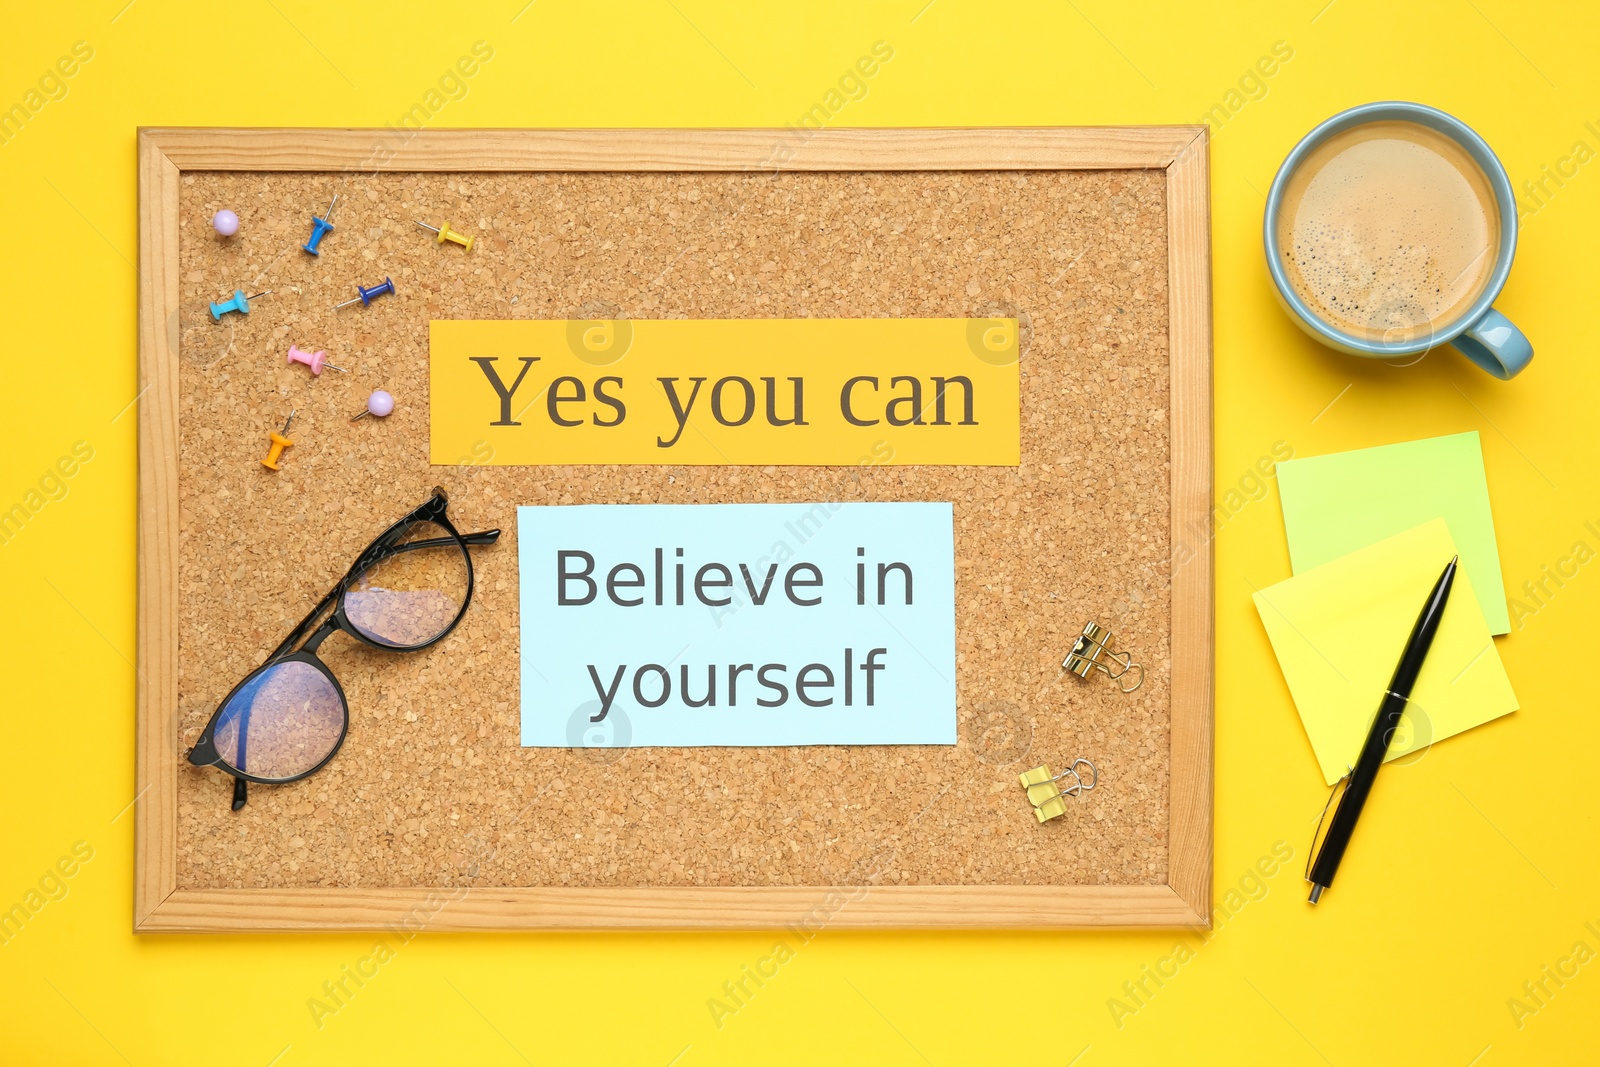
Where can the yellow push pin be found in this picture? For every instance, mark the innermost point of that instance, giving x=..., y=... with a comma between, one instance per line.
x=447, y=234
x=279, y=443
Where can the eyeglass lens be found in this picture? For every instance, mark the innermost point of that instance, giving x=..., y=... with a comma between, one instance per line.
x=413, y=594
x=282, y=722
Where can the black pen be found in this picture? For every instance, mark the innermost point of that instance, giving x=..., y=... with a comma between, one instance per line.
x=1383, y=727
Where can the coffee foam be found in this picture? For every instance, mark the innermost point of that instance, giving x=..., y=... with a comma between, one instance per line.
x=1388, y=231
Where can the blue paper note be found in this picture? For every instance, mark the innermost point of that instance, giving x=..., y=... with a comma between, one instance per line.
x=737, y=624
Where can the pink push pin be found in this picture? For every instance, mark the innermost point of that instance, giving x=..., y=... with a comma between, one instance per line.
x=379, y=403
x=315, y=360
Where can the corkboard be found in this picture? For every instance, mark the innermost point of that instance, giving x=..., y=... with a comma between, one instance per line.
x=431, y=790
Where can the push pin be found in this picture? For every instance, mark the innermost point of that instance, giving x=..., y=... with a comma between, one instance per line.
x=239, y=303
x=447, y=234
x=1049, y=798
x=368, y=295
x=315, y=360
x=320, y=228
x=379, y=404
x=279, y=442
x=225, y=222
x=1092, y=651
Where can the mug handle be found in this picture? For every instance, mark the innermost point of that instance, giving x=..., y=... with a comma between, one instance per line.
x=1495, y=344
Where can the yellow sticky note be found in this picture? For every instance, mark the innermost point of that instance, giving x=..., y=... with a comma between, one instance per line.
x=1338, y=631
x=832, y=392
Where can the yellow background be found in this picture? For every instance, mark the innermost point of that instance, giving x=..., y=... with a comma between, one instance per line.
x=826, y=354
x=1478, y=867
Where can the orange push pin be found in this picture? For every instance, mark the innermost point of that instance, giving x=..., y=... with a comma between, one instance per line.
x=279, y=443
x=447, y=234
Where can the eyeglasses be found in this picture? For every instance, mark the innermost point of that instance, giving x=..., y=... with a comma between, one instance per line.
x=407, y=590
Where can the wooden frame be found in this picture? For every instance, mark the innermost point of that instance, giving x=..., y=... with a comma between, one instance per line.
x=1182, y=151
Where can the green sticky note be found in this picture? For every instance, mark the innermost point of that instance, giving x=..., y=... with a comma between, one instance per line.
x=1333, y=505
x=1338, y=631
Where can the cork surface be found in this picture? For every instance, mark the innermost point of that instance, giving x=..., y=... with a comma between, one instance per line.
x=431, y=786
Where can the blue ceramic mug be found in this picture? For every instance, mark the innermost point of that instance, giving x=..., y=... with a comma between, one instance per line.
x=1480, y=333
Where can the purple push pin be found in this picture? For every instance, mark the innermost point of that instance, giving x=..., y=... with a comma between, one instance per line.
x=225, y=222
x=379, y=404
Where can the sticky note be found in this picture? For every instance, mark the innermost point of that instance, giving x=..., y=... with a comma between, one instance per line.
x=1339, y=629
x=720, y=392
x=1338, y=503
x=825, y=623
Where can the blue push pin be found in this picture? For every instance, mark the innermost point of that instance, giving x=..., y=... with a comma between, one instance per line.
x=239, y=303
x=368, y=295
x=320, y=228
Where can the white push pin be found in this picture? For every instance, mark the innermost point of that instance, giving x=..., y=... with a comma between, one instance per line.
x=379, y=404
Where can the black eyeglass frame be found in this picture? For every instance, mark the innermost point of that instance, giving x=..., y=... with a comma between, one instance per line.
x=204, y=753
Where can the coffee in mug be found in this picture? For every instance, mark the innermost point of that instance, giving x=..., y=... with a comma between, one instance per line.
x=1388, y=231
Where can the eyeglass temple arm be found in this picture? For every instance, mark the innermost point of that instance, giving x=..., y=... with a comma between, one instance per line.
x=365, y=560
x=482, y=537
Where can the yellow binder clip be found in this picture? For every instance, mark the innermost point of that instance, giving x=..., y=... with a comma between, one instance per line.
x=1047, y=792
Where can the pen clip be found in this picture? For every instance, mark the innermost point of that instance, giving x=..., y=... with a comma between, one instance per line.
x=1311, y=854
